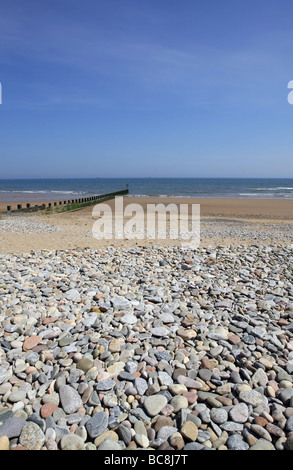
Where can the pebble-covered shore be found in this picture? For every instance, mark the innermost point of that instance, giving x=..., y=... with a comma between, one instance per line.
x=154, y=348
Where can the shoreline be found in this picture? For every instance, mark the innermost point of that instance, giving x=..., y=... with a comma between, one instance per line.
x=278, y=209
x=224, y=221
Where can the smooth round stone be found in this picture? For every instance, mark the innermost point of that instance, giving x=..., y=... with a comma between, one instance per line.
x=159, y=331
x=124, y=433
x=231, y=426
x=106, y=435
x=72, y=442
x=128, y=376
x=153, y=404
x=105, y=385
x=165, y=432
x=31, y=342
x=52, y=398
x=140, y=428
x=189, y=430
x=70, y=399
x=176, y=441
x=19, y=395
x=177, y=389
x=128, y=318
x=165, y=378
x=179, y=402
x=73, y=295
x=48, y=409
x=286, y=395
x=167, y=318
x=251, y=397
x=115, y=345
x=141, y=385
x=131, y=366
x=12, y=427
x=239, y=413
x=110, y=401
x=85, y=364
x=188, y=382
x=186, y=334
x=142, y=440
x=109, y=444
x=191, y=397
x=219, y=415
x=97, y=424
x=32, y=437
x=262, y=444
x=115, y=369
x=236, y=442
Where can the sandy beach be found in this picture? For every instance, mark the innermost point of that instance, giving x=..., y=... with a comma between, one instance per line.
x=223, y=221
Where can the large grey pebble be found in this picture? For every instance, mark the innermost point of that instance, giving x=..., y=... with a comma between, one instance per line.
x=12, y=427
x=154, y=404
x=70, y=399
x=109, y=444
x=73, y=295
x=97, y=424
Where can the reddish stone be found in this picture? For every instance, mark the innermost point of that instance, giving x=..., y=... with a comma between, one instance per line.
x=48, y=409
x=260, y=421
x=206, y=363
x=234, y=339
x=31, y=342
x=191, y=397
x=49, y=320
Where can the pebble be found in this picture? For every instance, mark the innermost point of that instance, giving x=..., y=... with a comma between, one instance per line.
x=250, y=397
x=70, y=399
x=262, y=444
x=109, y=444
x=97, y=424
x=189, y=430
x=4, y=443
x=239, y=413
x=71, y=442
x=114, y=348
x=12, y=427
x=32, y=437
x=154, y=404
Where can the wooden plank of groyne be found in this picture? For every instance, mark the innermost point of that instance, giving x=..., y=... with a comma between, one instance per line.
x=73, y=204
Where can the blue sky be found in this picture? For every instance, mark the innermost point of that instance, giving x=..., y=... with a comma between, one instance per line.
x=146, y=88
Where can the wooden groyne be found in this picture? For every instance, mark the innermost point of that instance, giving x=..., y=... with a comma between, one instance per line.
x=64, y=205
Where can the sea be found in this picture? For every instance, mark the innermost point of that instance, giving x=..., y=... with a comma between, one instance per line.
x=56, y=189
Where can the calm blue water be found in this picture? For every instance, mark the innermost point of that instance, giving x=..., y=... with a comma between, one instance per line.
x=41, y=189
